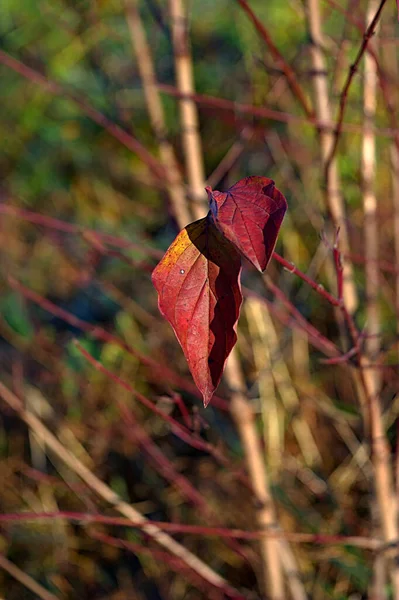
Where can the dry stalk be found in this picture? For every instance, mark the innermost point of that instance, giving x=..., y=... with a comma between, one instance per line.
x=395, y=196
x=188, y=109
x=155, y=109
x=261, y=326
x=244, y=417
x=272, y=417
x=370, y=212
x=274, y=556
x=334, y=199
x=107, y=494
x=393, y=69
x=26, y=580
x=385, y=494
x=231, y=157
x=381, y=454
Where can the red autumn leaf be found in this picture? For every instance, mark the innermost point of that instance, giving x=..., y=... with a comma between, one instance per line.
x=250, y=214
x=200, y=295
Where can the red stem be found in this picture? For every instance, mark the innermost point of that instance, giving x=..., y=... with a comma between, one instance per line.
x=345, y=92
x=125, y=138
x=316, y=286
x=156, y=369
x=223, y=532
x=259, y=111
x=279, y=60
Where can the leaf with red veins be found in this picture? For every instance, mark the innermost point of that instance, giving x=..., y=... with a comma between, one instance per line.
x=198, y=283
x=250, y=214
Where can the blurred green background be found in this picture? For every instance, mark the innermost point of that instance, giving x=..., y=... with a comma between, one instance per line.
x=55, y=161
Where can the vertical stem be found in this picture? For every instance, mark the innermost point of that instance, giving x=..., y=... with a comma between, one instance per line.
x=156, y=113
x=272, y=415
x=395, y=195
x=188, y=110
x=370, y=211
x=244, y=417
x=393, y=70
x=385, y=491
x=323, y=111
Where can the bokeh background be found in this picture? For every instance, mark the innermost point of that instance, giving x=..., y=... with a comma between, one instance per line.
x=84, y=219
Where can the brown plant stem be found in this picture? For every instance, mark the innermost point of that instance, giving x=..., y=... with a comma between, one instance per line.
x=26, y=580
x=334, y=200
x=385, y=491
x=392, y=94
x=395, y=193
x=188, y=111
x=345, y=91
x=380, y=450
x=372, y=343
x=275, y=555
x=155, y=110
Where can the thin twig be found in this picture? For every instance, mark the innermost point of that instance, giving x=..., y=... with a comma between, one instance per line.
x=125, y=138
x=177, y=428
x=238, y=109
x=90, y=234
x=317, y=339
x=334, y=198
x=318, y=287
x=160, y=556
x=84, y=518
x=156, y=368
x=231, y=157
x=26, y=580
x=164, y=466
x=345, y=91
x=279, y=60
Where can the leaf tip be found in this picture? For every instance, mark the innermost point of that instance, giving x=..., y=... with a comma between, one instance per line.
x=207, y=396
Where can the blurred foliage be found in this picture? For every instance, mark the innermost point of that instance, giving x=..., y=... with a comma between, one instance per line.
x=57, y=162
